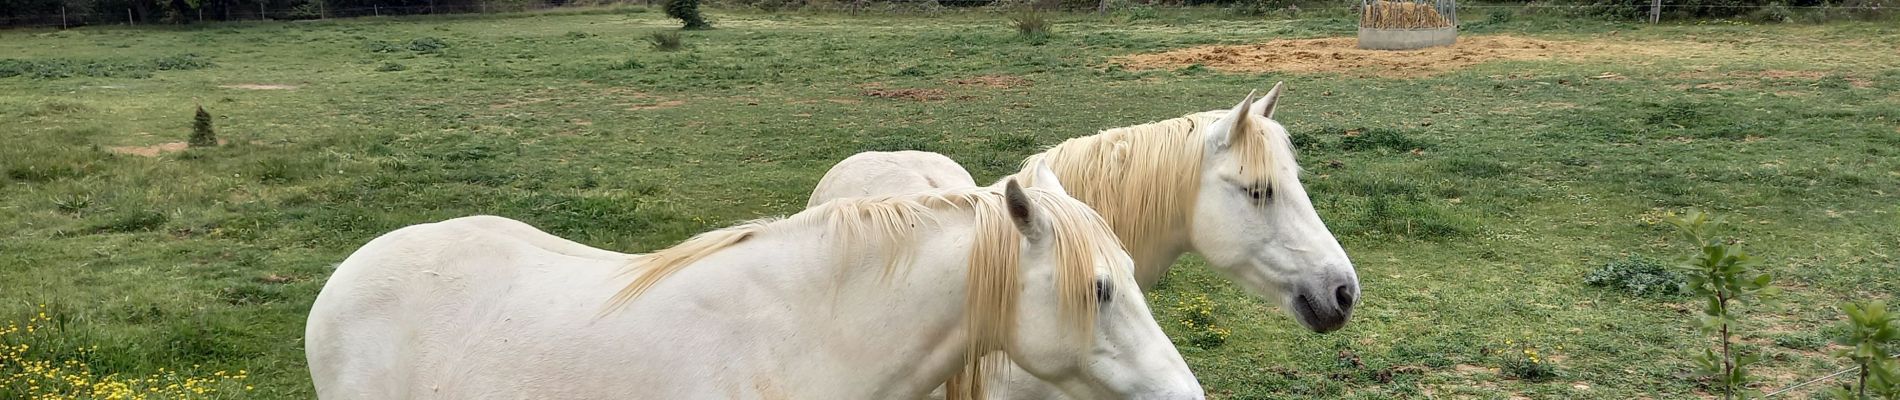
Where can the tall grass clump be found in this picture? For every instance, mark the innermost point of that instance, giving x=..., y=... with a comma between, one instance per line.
x=201, y=132
x=1031, y=24
x=666, y=41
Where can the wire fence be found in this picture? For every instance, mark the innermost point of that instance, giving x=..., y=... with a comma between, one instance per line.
x=134, y=16
x=262, y=11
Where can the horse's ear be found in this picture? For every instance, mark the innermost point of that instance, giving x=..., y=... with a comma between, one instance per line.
x=1264, y=106
x=1045, y=178
x=1232, y=127
x=1023, y=212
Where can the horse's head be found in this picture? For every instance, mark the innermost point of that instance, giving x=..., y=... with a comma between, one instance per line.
x=1254, y=223
x=1093, y=335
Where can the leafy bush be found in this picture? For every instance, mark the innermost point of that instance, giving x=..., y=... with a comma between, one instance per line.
x=1870, y=331
x=1638, y=275
x=666, y=41
x=427, y=45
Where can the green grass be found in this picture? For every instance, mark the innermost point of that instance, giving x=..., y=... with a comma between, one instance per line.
x=1528, y=176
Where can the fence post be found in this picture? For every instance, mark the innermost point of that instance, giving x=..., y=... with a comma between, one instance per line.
x=128, y=17
x=260, y=11
x=62, y=17
x=1655, y=11
x=376, y=10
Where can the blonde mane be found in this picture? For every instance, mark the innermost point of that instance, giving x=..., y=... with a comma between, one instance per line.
x=1145, y=179
x=1080, y=238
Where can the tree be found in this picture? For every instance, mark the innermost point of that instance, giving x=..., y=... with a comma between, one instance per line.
x=688, y=11
x=201, y=134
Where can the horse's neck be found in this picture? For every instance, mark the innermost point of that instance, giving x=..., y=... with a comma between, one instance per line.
x=876, y=335
x=1153, y=239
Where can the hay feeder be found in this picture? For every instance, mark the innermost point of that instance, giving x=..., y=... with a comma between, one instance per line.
x=1407, y=24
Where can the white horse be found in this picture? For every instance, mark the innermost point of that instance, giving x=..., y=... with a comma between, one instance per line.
x=869, y=298
x=1220, y=183
x=915, y=171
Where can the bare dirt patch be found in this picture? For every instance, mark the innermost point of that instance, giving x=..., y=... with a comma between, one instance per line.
x=259, y=86
x=657, y=106
x=1779, y=74
x=1341, y=55
x=154, y=150
x=518, y=102
x=992, y=81
x=931, y=94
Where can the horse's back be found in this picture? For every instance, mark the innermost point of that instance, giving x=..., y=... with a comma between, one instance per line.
x=398, y=313
x=874, y=173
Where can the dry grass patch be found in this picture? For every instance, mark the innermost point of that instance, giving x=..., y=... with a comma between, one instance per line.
x=1342, y=55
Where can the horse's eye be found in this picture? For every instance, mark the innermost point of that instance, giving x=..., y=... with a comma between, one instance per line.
x=1259, y=193
x=1103, y=291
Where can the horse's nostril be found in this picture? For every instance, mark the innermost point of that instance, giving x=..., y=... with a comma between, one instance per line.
x=1344, y=293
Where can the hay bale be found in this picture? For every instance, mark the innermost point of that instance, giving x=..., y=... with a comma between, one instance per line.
x=1402, y=15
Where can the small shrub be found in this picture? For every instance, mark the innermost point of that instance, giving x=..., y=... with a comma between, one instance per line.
x=427, y=45
x=1870, y=332
x=201, y=132
x=687, y=11
x=390, y=66
x=1638, y=275
x=666, y=41
x=1524, y=361
x=1031, y=24
x=1723, y=275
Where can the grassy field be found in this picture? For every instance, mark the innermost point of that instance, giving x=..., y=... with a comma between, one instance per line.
x=1474, y=202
